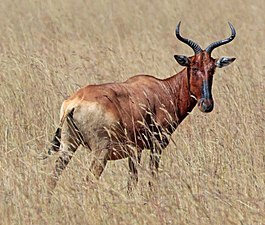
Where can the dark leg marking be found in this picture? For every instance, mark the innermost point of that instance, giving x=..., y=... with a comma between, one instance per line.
x=133, y=162
x=155, y=154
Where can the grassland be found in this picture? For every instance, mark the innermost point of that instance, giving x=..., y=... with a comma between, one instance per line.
x=213, y=173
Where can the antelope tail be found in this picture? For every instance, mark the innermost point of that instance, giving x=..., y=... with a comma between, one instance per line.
x=56, y=141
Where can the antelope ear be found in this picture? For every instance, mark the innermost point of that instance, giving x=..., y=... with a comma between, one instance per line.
x=182, y=60
x=224, y=61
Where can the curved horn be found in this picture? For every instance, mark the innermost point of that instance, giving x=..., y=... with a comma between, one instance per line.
x=216, y=44
x=196, y=48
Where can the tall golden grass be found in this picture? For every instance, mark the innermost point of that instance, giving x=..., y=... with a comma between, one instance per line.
x=213, y=173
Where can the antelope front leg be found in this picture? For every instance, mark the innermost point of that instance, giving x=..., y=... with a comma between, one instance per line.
x=133, y=162
x=155, y=154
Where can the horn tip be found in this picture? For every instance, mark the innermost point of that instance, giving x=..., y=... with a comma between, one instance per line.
x=232, y=29
x=178, y=24
x=231, y=25
x=177, y=28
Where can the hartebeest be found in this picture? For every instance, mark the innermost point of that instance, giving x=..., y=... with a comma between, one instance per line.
x=119, y=120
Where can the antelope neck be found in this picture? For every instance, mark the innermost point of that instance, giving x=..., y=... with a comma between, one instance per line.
x=178, y=85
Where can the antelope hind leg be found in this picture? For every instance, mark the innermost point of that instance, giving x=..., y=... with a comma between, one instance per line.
x=69, y=143
x=98, y=164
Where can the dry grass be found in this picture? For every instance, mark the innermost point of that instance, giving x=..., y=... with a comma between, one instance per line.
x=215, y=171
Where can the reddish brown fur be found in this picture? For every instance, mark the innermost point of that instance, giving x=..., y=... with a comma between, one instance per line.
x=132, y=101
x=139, y=113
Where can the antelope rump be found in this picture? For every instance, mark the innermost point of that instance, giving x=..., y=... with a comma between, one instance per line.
x=120, y=120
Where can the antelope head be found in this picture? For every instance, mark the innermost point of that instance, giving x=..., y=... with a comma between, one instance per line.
x=201, y=68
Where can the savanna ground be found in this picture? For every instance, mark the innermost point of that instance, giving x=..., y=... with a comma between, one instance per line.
x=213, y=173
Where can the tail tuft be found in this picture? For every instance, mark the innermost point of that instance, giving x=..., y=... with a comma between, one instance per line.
x=56, y=142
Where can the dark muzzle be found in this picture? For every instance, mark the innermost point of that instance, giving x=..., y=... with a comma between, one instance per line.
x=206, y=105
